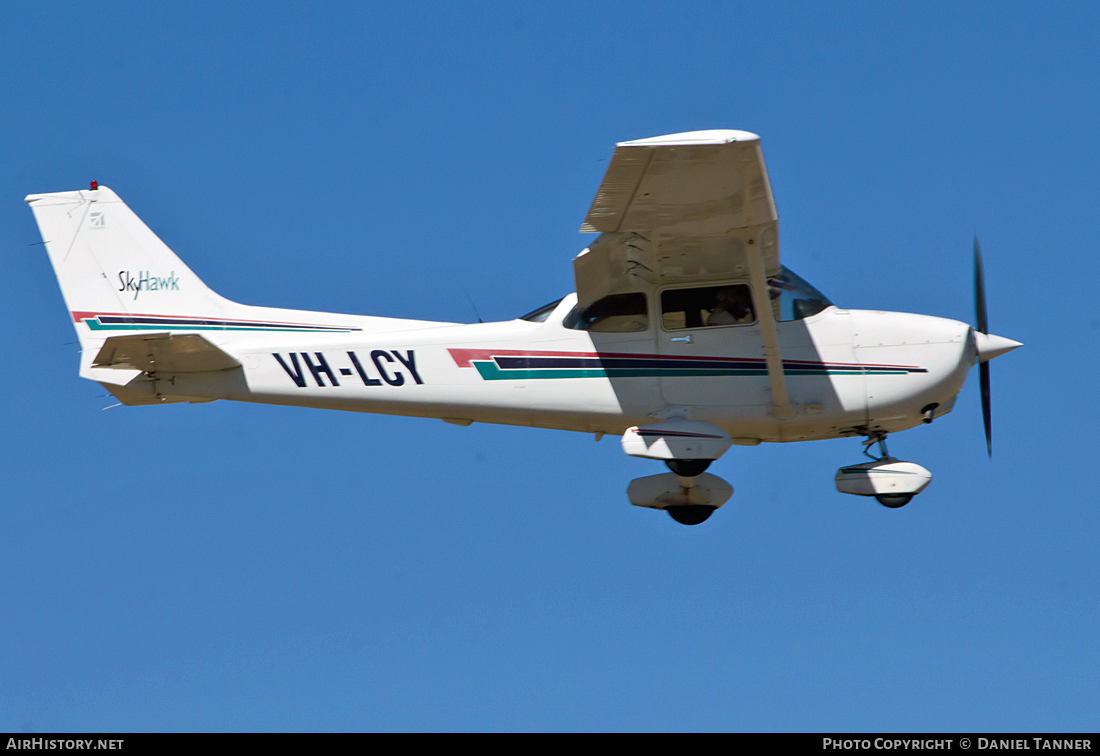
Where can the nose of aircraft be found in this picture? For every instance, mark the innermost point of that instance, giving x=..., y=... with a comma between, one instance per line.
x=990, y=346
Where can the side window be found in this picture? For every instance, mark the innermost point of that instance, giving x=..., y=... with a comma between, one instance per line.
x=617, y=313
x=710, y=306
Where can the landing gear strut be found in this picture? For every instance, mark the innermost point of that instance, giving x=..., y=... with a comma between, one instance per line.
x=689, y=514
x=877, y=437
x=687, y=447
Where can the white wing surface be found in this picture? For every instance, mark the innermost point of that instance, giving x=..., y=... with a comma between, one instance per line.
x=680, y=207
x=697, y=183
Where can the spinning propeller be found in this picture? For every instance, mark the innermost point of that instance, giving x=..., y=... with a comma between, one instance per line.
x=983, y=328
x=988, y=345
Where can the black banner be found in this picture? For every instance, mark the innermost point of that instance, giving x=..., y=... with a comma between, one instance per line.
x=829, y=742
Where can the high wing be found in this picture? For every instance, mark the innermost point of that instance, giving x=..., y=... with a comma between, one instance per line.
x=688, y=207
x=692, y=207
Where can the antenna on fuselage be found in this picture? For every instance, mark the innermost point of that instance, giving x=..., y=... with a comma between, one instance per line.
x=473, y=306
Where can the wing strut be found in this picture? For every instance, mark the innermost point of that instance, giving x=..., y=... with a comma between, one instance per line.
x=754, y=254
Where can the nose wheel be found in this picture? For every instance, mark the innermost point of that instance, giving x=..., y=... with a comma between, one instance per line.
x=892, y=482
x=894, y=501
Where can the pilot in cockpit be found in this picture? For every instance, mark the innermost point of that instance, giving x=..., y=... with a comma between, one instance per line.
x=733, y=307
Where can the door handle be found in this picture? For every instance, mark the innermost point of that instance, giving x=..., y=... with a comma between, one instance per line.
x=685, y=339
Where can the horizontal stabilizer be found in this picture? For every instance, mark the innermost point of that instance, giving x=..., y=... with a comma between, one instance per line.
x=139, y=392
x=163, y=353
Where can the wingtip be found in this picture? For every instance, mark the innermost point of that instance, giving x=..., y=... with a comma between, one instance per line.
x=694, y=138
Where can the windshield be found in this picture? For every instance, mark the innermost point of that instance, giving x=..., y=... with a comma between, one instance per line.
x=793, y=298
x=541, y=314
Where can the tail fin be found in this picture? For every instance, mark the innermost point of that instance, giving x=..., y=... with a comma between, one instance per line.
x=110, y=265
x=117, y=277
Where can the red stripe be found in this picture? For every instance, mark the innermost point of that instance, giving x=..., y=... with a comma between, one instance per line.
x=462, y=357
x=79, y=316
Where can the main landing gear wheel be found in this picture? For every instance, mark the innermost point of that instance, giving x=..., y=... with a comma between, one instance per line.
x=690, y=514
x=688, y=468
x=894, y=501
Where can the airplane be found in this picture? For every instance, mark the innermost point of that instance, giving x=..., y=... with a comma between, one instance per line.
x=685, y=336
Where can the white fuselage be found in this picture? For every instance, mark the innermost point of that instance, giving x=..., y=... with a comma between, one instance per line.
x=847, y=372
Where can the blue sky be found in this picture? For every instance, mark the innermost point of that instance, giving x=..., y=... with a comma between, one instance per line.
x=236, y=567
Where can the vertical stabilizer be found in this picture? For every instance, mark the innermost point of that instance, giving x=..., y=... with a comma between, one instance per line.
x=110, y=264
x=116, y=275
x=119, y=279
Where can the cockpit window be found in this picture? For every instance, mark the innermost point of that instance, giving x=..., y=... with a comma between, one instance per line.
x=541, y=314
x=730, y=304
x=793, y=298
x=616, y=313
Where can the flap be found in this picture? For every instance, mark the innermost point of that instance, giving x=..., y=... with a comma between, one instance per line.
x=164, y=353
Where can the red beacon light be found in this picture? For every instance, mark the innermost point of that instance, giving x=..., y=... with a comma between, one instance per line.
x=95, y=185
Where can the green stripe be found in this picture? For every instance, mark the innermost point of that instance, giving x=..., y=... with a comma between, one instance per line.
x=491, y=372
